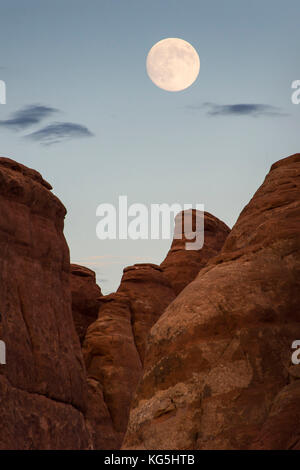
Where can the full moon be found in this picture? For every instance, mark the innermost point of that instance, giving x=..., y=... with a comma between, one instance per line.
x=173, y=64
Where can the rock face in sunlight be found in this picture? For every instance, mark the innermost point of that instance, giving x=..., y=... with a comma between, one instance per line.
x=181, y=266
x=42, y=385
x=217, y=363
x=86, y=298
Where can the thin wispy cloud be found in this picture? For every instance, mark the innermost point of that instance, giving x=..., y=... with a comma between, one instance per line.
x=58, y=132
x=28, y=116
x=240, y=109
x=107, y=260
x=112, y=256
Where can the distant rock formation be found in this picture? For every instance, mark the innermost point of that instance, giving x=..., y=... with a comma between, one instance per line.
x=181, y=266
x=114, y=369
x=86, y=298
x=149, y=292
x=115, y=344
x=114, y=348
x=217, y=361
x=42, y=385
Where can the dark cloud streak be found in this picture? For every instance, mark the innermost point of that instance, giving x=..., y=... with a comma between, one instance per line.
x=58, y=132
x=28, y=116
x=240, y=109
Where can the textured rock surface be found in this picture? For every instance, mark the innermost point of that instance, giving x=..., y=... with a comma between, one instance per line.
x=86, y=297
x=113, y=368
x=42, y=385
x=115, y=344
x=181, y=266
x=217, y=364
x=220, y=354
x=281, y=430
x=149, y=292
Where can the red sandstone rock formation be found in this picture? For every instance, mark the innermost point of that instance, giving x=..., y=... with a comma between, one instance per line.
x=42, y=385
x=281, y=430
x=86, y=297
x=181, y=266
x=48, y=386
x=217, y=362
x=217, y=369
x=113, y=368
x=149, y=292
x=115, y=344
x=113, y=348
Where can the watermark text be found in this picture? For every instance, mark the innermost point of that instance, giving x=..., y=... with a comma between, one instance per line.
x=2, y=92
x=296, y=94
x=296, y=354
x=156, y=223
x=2, y=352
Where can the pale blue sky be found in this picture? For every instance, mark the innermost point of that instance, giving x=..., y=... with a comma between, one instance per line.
x=87, y=60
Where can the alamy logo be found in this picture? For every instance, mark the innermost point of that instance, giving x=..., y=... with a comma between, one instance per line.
x=296, y=95
x=154, y=224
x=2, y=92
x=2, y=352
x=296, y=354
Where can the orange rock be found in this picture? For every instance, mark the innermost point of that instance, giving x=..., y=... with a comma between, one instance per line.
x=149, y=292
x=115, y=344
x=181, y=266
x=86, y=298
x=42, y=385
x=219, y=355
x=114, y=368
x=280, y=430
